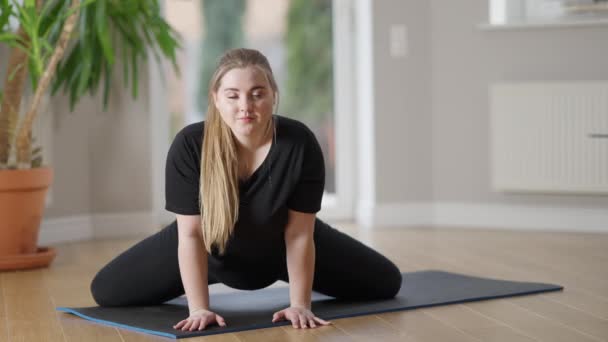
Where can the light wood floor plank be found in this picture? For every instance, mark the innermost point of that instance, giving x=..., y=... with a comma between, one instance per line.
x=29, y=306
x=40, y=330
x=588, y=303
x=528, y=322
x=423, y=327
x=24, y=281
x=370, y=328
x=331, y=334
x=77, y=330
x=3, y=317
x=308, y=335
x=270, y=334
x=132, y=336
x=576, y=319
x=479, y=326
x=29, y=310
x=3, y=329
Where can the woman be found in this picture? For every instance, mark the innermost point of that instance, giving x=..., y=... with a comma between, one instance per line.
x=245, y=198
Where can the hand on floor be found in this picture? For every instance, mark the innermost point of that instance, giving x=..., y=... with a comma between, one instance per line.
x=299, y=317
x=199, y=320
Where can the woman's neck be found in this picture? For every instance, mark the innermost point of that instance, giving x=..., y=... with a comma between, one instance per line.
x=250, y=144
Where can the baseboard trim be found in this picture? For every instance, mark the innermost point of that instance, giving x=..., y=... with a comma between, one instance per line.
x=478, y=215
x=114, y=225
x=365, y=213
x=65, y=229
x=512, y=217
x=402, y=214
x=86, y=227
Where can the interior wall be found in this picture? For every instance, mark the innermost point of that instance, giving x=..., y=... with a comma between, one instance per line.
x=71, y=189
x=465, y=61
x=120, y=151
x=402, y=103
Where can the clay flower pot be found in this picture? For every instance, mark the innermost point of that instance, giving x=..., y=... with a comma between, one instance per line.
x=22, y=197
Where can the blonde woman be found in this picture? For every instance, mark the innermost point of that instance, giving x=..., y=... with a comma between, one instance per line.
x=245, y=186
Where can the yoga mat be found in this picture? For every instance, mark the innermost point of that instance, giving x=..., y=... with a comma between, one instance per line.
x=247, y=310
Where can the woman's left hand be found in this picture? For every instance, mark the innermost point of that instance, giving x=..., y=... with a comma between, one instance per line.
x=300, y=317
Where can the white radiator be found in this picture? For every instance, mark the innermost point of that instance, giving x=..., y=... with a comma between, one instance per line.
x=549, y=137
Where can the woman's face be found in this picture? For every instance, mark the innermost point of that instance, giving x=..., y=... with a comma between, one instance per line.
x=245, y=100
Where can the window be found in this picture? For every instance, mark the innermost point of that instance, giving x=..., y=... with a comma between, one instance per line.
x=531, y=11
x=297, y=36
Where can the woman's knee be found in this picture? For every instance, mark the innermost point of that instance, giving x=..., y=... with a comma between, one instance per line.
x=103, y=291
x=391, y=282
x=371, y=274
x=120, y=281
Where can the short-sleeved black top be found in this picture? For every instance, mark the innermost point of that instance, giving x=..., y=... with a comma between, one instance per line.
x=291, y=177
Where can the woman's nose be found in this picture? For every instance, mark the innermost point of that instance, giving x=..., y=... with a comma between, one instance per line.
x=246, y=104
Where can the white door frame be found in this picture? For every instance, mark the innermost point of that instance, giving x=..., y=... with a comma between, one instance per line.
x=340, y=206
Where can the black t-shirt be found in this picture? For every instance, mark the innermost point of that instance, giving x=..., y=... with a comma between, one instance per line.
x=291, y=177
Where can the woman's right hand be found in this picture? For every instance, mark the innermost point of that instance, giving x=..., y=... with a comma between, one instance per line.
x=199, y=320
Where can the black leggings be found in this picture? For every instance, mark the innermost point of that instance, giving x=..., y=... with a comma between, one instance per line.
x=148, y=272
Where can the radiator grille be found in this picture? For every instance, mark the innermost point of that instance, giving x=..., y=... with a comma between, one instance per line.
x=549, y=137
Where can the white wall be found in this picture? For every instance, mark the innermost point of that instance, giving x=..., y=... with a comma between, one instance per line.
x=394, y=133
x=111, y=147
x=465, y=61
x=431, y=114
x=101, y=159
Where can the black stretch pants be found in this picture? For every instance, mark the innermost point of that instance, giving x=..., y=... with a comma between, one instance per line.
x=148, y=272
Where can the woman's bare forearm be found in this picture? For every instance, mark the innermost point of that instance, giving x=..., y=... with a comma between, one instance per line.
x=193, y=267
x=300, y=266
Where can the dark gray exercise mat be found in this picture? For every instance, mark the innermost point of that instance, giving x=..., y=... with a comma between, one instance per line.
x=247, y=310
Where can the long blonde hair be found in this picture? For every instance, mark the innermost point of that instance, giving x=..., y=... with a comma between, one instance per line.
x=219, y=184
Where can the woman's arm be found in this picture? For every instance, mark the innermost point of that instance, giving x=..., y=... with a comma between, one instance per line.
x=299, y=242
x=300, y=257
x=193, y=268
x=192, y=258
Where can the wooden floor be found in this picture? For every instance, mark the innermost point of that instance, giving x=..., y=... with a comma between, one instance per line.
x=579, y=262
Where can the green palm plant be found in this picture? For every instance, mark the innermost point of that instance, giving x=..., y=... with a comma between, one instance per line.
x=72, y=47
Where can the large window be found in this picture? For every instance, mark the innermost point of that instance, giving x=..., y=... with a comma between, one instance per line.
x=539, y=11
x=297, y=36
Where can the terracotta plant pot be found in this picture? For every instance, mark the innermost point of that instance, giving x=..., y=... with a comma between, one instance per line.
x=22, y=199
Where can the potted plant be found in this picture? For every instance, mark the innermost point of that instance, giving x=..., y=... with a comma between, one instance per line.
x=72, y=47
